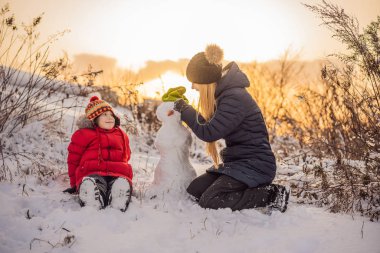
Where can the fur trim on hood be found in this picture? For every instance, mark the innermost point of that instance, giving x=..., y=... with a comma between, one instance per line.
x=84, y=122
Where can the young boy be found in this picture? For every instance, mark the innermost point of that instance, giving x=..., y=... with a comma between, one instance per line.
x=98, y=159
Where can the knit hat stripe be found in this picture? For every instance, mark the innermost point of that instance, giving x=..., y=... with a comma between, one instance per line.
x=99, y=112
x=97, y=107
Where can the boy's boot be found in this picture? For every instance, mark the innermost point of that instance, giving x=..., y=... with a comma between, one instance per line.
x=89, y=194
x=120, y=194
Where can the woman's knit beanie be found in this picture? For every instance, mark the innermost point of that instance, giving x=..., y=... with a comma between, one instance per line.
x=206, y=67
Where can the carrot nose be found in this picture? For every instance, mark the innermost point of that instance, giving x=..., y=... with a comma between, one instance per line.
x=170, y=113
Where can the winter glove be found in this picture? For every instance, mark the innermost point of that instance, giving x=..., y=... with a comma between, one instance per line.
x=70, y=190
x=180, y=105
x=174, y=94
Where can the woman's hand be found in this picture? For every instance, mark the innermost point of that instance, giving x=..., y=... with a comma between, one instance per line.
x=180, y=105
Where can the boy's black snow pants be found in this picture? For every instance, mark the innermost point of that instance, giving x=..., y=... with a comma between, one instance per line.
x=104, y=184
x=220, y=191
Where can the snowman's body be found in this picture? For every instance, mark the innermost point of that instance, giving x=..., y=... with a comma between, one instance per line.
x=174, y=171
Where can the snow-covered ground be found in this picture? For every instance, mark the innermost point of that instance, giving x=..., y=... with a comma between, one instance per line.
x=39, y=218
x=35, y=216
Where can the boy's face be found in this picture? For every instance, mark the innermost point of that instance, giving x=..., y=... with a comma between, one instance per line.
x=106, y=120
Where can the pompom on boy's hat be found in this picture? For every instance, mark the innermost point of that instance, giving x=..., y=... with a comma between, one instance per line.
x=206, y=67
x=96, y=107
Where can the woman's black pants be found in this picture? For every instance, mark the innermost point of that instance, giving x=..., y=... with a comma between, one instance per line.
x=221, y=191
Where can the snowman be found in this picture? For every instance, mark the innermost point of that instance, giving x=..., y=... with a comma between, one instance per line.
x=174, y=171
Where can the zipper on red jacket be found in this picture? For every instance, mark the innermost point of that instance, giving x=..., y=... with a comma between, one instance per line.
x=100, y=157
x=109, y=154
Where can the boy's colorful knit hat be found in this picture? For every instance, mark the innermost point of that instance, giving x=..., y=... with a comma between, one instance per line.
x=175, y=93
x=97, y=107
x=206, y=67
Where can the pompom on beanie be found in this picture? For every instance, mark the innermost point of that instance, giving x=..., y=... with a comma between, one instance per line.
x=206, y=67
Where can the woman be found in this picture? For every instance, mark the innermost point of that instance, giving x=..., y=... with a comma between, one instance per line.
x=227, y=111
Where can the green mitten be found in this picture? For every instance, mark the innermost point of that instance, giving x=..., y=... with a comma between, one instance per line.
x=174, y=94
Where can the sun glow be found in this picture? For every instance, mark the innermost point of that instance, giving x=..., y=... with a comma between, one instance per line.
x=180, y=35
x=133, y=31
x=157, y=87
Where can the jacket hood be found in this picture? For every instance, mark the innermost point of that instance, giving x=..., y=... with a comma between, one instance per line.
x=234, y=78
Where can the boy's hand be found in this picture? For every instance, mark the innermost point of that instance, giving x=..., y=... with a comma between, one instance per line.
x=70, y=190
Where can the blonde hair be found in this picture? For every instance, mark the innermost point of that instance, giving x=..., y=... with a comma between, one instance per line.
x=207, y=107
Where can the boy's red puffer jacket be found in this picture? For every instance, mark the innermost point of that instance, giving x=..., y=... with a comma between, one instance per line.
x=99, y=151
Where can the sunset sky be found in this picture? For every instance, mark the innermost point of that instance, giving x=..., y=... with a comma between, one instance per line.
x=134, y=31
x=128, y=33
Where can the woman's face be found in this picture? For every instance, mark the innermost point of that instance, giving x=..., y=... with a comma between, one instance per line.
x=106, y=120
x=195, y=86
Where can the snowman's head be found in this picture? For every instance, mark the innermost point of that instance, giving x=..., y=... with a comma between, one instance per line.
x=166, y=114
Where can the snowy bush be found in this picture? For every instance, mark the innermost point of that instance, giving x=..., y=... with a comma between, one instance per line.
x=343, y=121
x=336, y=118
x=32, y=89
x=344, y=117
